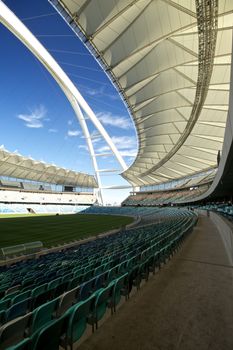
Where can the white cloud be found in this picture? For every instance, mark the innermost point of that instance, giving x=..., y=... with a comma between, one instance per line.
x=125, y=144
x=73, y=133
x=103, y=149
x=35, y=119
x=70, y=122
x=129, y=153
x=53, y=130
x=101, y=92
x=115, y=120
x=83, y=147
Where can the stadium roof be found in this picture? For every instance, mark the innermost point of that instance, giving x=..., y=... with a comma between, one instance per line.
x=170, y=60
x=17, y=166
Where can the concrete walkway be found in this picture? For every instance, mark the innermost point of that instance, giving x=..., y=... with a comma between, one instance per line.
x=188, y=305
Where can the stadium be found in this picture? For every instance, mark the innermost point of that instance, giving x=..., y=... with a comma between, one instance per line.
x=116, y=168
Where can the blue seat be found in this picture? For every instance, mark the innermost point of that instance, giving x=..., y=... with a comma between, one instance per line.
x=19, y=309
x=21, y=297
x=86, y=289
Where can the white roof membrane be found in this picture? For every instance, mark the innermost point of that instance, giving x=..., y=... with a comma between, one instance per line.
x=170, y=60
x=16, y=166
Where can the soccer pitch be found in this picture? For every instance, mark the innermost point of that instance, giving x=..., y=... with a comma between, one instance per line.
x=55, y=229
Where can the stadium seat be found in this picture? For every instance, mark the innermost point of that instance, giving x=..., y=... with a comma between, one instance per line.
x=74, y=282
x=86, y=289
x=67, y=300
x=21, y=297
x=4, y=304
x=60, y=289
x=48, y=338
x=23, y=345
x=19, y=309
x=39, y=290
x=79, y=315
x=67, y=277
x=100, y=280
x=41, y=298
x=103, y=300
x=13, y=332
x=2, y=317
x=54, y=283
x=13, y=289
x=43, y=315
x=120, y=288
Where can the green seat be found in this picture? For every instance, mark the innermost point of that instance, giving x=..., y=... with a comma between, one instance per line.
x=120, y=288
x=2, y=317
x=23, y=345
x=39, y=290
x=54, y=283
x=79, y=314
x=4, y=304
x=21, y=296
x=74, y=282
x=43, y=315
x=11, y=295
x=49, y=337
x=103, y=300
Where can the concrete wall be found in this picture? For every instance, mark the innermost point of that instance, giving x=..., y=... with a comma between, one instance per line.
x=225, y=230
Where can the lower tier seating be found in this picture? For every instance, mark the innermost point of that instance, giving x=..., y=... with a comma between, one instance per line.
x=50, y=301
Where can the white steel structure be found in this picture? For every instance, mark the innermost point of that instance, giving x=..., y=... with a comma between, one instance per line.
x=170, y=60
x=10, y=20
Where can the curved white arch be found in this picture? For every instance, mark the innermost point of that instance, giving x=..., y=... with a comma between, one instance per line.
x=13, y=23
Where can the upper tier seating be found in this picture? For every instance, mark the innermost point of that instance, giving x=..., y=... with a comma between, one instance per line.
x=49, y=301
x=7, y=196
x=164, y=197
x=13, y=184
x=12, y=208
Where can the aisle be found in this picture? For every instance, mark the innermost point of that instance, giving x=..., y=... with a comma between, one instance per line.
x=188, y=305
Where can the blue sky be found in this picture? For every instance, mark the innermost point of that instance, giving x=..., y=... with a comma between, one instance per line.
x=36, y=118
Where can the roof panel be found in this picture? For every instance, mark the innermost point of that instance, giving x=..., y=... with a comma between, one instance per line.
x=151, y=50
x=14, y=165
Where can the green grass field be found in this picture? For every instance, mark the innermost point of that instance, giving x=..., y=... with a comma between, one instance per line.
x=53, y=230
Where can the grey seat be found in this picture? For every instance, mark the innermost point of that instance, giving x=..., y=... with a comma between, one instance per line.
x=13, y=332
x=67, y=300
x=23, y=345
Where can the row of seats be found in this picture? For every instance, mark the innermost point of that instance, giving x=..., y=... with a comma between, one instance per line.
x=73, y=275
x=41, y=323
x=164, y=197
x=51, y=265
x=12, y=208
x=225, y=209
x=14, y=196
